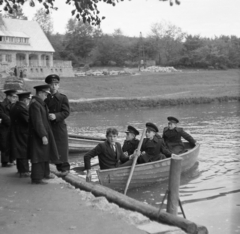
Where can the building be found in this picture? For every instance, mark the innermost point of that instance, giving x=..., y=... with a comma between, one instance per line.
x=24, y=44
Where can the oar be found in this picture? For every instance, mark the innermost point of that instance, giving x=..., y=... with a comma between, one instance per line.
x=134, y=162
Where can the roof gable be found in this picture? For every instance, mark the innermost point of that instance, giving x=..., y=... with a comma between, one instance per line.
x=38, y=41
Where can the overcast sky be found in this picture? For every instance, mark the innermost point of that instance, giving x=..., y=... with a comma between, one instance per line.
x=204, y=17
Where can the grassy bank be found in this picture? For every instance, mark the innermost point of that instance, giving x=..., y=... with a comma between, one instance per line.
x=149, y=89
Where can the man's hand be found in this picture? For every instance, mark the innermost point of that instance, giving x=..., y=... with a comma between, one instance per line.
x=52, y=116
x=89, y=176
x=45, y=140
x=125, y=153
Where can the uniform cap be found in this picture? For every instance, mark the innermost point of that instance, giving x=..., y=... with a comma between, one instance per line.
x=132, y=130
x=10, y=91
x=152, y=127
x=53, y=78
x=44, y=88
x=24, y=95
x=172, y=119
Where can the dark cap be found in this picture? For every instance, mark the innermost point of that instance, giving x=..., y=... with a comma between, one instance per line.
x=172, y=119
x=43, y=88
x=152, y=127
x=132, y=130
x=24, y=95
x=53, y=78
x=10, y=91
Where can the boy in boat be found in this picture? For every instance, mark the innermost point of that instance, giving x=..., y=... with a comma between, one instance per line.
x=131, y=143
x=110, y=154
x=172, y=136
x=153, y=147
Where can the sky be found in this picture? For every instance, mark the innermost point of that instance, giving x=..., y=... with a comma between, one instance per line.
x=207, y=18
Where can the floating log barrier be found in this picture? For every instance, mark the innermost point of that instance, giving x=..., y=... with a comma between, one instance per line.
x=134, y=205
x=71, y=135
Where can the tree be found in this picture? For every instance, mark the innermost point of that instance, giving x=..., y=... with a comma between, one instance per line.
x=86, y=10
x=44, y=20
x=17, y=13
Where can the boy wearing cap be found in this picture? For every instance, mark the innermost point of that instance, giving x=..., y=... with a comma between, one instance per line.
x=41, y=145
x=172, y=136
x=153, y=147
x=58, y=111
x=5, y=125
x=19, y=132
x=131, y=143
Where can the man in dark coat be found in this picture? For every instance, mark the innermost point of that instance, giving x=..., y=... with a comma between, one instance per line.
x=5, y=126
x=19, y=132
x=172, y=136
x=110, y=154
x=153, y=147
x=42, y=148
x=131, y=143
x=58, y=111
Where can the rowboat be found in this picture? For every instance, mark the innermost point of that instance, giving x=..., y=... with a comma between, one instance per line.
x=81, y=143
x=148, y=173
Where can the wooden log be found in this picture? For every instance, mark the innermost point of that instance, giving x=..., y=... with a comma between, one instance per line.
x=173, y=185
x=134, y=205
x=86, y=137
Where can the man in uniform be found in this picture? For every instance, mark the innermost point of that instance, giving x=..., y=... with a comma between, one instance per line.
x=172, y=136
x=131, y=143
x=58, y=111
x=153, y=147
x=5, y=126
x=110, y=154
x=19, y=132
x=42, y=148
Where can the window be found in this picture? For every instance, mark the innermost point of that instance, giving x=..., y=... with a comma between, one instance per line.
x=1, y=58
x=1, y=39
x=8, y=58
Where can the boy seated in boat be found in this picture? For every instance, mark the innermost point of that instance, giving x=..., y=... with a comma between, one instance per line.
x=110, y=154
x=172, y=136
x=153, y=147
x=131, y=143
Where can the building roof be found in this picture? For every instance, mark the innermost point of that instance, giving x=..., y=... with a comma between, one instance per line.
x=38, y=41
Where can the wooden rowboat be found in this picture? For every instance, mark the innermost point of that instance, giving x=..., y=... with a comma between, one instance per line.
x=145, y=174
x=80, y=143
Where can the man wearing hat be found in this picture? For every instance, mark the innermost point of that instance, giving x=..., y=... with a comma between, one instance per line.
x=42, y=148
x=5, y=126
x=131, y=143
x=19, y=132
x=153, y=147
x=172, y=136
x=58, y=111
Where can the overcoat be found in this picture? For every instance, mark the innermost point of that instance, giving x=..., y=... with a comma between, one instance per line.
x=19, y=130
x=39, y=127
x=154, y=149
x=58, y=104
x=5, y=125
x=173, y=140
x=106, y=156
x=130, y=146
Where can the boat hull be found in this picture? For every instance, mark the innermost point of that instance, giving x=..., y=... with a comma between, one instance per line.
x=145, y=174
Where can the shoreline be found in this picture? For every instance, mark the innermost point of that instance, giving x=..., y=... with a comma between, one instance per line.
x=121, y=103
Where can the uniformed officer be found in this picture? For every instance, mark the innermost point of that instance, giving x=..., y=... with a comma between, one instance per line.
x=42, y=148
x=19, y=132
x=58, y=111
x=172, y=136
x=5, y=126
x=131, y=143
x=153, y=147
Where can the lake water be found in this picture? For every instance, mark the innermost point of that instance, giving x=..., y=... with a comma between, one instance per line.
x=215, y=184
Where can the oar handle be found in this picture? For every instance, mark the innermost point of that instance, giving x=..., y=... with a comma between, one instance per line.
x=134, y=162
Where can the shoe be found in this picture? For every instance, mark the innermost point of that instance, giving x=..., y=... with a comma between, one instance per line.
x=38, y=182
x=64, y=173
x=49, y=177
x=25, y=174
x=6, y=165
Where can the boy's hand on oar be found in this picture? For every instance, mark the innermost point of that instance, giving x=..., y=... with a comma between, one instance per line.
x=89, y=176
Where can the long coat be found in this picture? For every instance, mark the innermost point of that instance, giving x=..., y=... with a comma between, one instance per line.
x=5, y=125
x=19, y=130
x=154, y=149
x=130, y=146
x=58, y=105
x=107, y=157
x=173, y=140
x=39, y=127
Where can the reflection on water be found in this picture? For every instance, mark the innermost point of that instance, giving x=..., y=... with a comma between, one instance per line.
x=216, y=127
